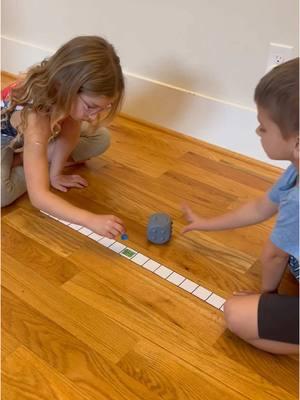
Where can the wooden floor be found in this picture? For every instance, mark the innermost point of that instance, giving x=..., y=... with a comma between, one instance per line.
x=80, y=322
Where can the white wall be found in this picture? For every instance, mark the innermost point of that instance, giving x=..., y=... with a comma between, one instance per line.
x=192, y=65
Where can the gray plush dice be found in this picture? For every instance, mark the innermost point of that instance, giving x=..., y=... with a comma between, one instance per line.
x=159, y=228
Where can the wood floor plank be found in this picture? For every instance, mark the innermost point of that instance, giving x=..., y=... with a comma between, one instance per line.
x=8, y=344
x=66, y=310
x=44, y=230
x=230, y=171
x=283, y=367
x=87, y=370
x=189, y=261
x=170, y=377
x=187, y=143
x=154, y=154
x=26, y=377
x=163, y=308
x=170, y=188
x=54, y=268
x=231, y=188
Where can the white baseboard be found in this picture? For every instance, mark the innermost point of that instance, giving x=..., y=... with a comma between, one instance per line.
x=215, y=121
x=17, y=55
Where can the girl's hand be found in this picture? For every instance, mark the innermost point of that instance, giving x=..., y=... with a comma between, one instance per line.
x=64, y=182
x=106, y=225
x=195, y=222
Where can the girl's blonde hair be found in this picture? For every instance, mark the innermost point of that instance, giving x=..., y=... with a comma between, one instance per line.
x=85, y=64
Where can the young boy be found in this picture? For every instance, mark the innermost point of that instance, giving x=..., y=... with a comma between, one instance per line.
x=270, y=321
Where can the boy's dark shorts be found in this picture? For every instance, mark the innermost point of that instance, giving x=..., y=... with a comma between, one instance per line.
x=278, y=318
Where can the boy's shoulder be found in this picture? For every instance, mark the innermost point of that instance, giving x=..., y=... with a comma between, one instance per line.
x=289, y=177
x=286, y=185
x=285, y=193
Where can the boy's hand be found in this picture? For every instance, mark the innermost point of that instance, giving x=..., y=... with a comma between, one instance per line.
x=106, y=225
x=195, y=222
x=245, y=292
x=64, y=182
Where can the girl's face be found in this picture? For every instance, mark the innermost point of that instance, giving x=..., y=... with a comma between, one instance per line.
x=275, y=146
x=87, y=108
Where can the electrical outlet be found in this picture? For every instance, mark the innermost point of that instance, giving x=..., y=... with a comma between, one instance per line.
x=278, y=54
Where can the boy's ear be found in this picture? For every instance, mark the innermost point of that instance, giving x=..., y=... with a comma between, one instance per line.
x=296, y=148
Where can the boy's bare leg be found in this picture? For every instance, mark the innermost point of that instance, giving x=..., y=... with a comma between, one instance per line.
x=241, y=318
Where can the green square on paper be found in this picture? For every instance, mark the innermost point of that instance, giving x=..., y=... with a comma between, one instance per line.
x=128, y=253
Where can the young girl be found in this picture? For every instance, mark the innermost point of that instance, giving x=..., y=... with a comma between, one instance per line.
x=51, y=117
x=268, y=320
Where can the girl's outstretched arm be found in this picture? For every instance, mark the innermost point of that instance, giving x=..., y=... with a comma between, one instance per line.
x=35, y=161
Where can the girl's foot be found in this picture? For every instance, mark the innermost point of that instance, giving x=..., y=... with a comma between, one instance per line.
x=71, y=163
x=17, y=160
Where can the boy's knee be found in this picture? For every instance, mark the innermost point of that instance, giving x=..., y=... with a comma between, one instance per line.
x=231, y=315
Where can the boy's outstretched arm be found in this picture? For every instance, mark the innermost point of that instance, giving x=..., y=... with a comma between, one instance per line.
x=248, y=214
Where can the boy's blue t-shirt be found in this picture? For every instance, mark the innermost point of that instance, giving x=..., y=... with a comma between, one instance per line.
x=285, y=193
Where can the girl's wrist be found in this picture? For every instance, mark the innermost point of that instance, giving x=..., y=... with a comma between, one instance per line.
x=87, y=218
x=81, y=217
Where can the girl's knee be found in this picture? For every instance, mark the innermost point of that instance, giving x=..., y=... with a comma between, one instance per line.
x=6, y=199
x=101, y=141
x=92, y=145
x=14, y=187
x=9, y=196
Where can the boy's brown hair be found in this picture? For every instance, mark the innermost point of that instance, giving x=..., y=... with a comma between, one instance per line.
x=278, y=93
